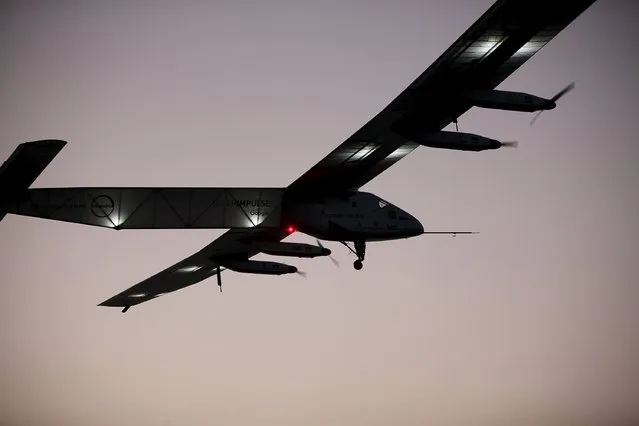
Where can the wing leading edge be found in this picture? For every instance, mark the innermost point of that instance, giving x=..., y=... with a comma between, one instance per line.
x=508, y=34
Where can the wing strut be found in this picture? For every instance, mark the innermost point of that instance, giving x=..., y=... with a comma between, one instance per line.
x=219, y=278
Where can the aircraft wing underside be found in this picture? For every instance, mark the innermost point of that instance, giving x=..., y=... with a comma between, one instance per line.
x=194, y=268
x=498, y=43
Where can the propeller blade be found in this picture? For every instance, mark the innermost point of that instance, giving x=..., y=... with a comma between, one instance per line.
x=535, y=117
x=554, y=99
x=563, y=91
x=510, y=144
x=301, y=273
x=335, y=262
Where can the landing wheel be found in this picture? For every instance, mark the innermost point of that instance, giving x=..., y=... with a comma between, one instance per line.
x=359, y=251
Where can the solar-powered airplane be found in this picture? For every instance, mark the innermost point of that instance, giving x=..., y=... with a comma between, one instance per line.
x=325, y=202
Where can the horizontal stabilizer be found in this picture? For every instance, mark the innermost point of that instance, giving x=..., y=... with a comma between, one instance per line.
x=24, y=166
x=26, y=163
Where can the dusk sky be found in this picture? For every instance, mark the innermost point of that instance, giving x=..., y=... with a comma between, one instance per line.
x=535, y=321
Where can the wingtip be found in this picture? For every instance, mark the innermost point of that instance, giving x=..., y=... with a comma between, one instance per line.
x=109, y=303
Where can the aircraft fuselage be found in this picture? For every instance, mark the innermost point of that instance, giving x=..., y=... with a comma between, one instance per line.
x=360, y=216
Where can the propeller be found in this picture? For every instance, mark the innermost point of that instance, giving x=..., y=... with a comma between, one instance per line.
x=509, y=144
x=552, y=101
x=301, y=273
x=335, y=262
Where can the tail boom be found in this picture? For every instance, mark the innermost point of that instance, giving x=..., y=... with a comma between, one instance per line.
x=152, y=208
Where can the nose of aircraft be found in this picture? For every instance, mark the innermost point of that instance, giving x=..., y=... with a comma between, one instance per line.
x=413, y=226
x=417, y=227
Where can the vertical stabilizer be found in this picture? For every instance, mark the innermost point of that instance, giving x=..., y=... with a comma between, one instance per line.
x=25, y=165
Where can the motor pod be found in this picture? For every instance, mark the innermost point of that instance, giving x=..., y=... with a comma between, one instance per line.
x=508, y=101
x=291, y=249
x=457, y=140
x=259, y=267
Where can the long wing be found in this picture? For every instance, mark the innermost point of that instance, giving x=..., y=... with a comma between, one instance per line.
x=498, y=43
x=194, y=268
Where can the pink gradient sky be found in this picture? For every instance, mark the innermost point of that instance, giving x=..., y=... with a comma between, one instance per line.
x=534, y=321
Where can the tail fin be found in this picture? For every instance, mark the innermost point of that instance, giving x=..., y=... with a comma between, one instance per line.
x=25, y=165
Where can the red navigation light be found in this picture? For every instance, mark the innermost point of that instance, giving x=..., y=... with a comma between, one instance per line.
x=290, y=229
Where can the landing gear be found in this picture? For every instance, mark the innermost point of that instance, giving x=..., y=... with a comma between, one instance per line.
x=359, y=251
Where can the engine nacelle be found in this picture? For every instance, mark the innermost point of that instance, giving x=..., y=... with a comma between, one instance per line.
x=509, y=101
x=292, y=249
x=457, y=140
x=258, y=267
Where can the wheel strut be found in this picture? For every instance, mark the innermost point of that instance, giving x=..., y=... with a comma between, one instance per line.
x=359, y=251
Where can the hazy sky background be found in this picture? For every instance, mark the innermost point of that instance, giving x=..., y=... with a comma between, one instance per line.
x=533, y=322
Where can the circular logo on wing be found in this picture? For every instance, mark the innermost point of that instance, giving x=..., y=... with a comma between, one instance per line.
x=102, y=206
